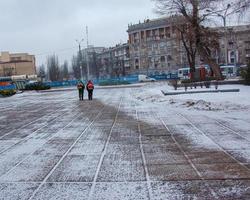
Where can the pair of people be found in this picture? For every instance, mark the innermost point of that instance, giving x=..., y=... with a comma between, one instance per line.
x=89, y=87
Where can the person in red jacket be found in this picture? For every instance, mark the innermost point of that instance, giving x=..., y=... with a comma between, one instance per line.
x=90, y=89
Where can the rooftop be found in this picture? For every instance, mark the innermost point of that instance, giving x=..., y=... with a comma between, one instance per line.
x=148, y=24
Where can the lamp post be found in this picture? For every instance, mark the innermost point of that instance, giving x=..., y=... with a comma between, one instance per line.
x=87, y=55
x=224, y=18
x=80, y=56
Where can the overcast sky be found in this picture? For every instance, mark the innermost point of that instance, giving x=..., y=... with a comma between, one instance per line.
x=47, y=26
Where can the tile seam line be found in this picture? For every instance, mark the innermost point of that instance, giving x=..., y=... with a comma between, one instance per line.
x=148, y=181
x=34, y=121
x=183, y=152
x=100, y=182
x=28, y=136
x=65, y=154
x=103, y=154
x=223, y=150
x=189, y=160
x=28, y=123
x=232, y=130
x=28, y=156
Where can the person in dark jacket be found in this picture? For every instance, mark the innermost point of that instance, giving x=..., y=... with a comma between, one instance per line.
x=90, y=88
x=81, y=87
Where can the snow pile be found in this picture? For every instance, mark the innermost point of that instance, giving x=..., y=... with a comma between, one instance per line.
x=151, y=93
x=207, y=106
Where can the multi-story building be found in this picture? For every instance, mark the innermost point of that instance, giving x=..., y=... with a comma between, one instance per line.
x=105, y=63
x=121, y=62
x=17, y=64
x=114, y=61
x=234, y=45
x=155, y=47
x=89, y=56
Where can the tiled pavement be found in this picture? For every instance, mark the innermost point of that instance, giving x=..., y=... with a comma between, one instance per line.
x=54, y=147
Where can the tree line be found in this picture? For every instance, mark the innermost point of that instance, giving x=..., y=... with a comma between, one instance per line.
x=54, y=71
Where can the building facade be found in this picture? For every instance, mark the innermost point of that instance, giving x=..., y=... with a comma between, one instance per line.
x=90, y=62
x=155, y=47
x=234, y=45
x=114, y=61
x=17, y=64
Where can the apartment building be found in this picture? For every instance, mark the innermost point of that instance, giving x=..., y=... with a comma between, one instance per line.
x=155, y=47
x=114, y=61
x=234, y=45
x=17, y=64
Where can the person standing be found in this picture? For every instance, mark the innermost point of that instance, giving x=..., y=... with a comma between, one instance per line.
x=90, y=88
x=81, y=87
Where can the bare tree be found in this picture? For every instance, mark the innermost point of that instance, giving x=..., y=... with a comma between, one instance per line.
x=76, y=67
x=53, y=68
x=188, y=40
x=194, y=14
x=242, y=5
x=41, y=72
x=65, y=70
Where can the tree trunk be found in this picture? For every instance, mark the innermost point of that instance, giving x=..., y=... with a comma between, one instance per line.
x=202, y=49
x=208, y=59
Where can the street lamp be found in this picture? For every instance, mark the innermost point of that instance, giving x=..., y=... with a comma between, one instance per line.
x=80, y=55
x=224, y=18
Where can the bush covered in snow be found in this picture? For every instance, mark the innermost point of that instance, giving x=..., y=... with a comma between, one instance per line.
x=37, y=86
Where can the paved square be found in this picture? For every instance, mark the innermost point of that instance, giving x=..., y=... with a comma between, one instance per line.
x=116, y=147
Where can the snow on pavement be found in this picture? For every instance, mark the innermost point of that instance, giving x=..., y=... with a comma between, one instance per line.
x=129, y=143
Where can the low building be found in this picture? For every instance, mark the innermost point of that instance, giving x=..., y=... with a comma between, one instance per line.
x=17, y=64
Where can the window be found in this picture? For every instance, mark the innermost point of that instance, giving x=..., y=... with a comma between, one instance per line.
x=162, y=45
x=16, y=58
x=163, y=59
x=155, y=46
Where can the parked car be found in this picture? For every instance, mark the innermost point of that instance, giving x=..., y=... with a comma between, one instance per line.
x=144, y=78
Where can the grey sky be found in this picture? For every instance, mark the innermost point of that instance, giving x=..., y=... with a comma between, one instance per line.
x=47, y=26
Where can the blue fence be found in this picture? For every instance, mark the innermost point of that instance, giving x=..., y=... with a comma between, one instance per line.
x=130, y=79
x=165, y=76
x=8, y=87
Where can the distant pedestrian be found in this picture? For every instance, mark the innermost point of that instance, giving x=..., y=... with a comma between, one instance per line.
x=81, y=87
x=90, y=88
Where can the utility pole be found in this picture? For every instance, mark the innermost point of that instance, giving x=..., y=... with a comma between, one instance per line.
x=225, y=41
x=224, y=18
x=80, y=56
x=87, y=56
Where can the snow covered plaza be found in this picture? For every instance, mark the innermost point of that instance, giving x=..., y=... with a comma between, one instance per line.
x=127, y=144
